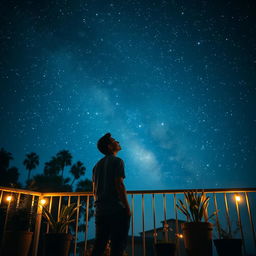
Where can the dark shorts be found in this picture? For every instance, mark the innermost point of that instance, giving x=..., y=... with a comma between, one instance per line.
x=114, y=227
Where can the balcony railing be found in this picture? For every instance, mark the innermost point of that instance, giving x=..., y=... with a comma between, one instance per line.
x=234, y=207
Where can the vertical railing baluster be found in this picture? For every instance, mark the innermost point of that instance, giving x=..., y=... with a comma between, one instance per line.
x=205, y=213
x=86, y=223
x=77, y=220
x=143, y=226
x=37, y=228
x=227, y=213
x=186, y=203
x=154, y=217
x=5, y=226
x=1, y=196
x=176, y=224
x=69, y=198
x=50, y=209
x=250, y=218
x=31, y=210
x=132, y=225
x=217, y=215
x=165, y=222
x=240, y=225
x=18, y=201
x=59, y=207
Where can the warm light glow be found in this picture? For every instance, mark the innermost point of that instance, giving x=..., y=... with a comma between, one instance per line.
x=180, y=236
x=9, y=198
x=43, y=201
x=238, y=198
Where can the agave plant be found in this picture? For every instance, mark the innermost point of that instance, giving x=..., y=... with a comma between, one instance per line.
x=195, y=206
x=64, y=219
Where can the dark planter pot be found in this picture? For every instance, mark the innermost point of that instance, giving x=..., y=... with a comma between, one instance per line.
x=17, y=243
x=57, y=244
x=198, y=238
x=165, y=249
x=228, y=247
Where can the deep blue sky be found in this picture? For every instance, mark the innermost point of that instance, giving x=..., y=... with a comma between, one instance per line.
x=173, y=81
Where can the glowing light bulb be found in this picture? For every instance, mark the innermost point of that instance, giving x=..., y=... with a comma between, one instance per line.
x=9, y=198
x=180, y=236
x=238, y=198
x=42, y=201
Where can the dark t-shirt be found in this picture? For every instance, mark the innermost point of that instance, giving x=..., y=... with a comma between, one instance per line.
x=105, y=172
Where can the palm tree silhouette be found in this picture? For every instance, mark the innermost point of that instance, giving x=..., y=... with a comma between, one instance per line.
x=77, y=170
x=31, y=162
x=65, y=159
x=52, y=167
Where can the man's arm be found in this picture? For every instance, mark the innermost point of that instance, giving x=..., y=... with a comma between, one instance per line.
x=120, y=187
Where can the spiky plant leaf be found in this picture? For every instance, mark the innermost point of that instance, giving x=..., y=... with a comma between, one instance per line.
x=65, y=218
x=195, y=205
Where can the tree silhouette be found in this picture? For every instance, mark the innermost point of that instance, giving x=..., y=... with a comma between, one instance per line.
x=31, y=162
x=77, y=170
x=46, y=183
x=8, y=176
x=65, y=159
x=5, y=158
x=84, y=186
x=52, y=167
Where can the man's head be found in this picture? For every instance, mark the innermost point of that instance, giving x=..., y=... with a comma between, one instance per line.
x=108, y=145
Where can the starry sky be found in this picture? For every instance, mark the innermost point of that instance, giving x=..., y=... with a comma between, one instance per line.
x=173, y=81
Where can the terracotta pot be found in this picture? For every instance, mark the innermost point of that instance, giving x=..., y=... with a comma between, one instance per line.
x=198, y=238
x=57, y=244
x=165, y=249
x=228, y=247
x=17, y=243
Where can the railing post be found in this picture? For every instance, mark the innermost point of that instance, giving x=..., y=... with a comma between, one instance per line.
x=59, y=207
x=143, y=226
x=50, y=209
x=77, y=220
x=37, y=227
x=166, y=226
x=1, y=196
x=18, y=201
x=132, y=225
x=86, y=223
x=217, y=215
x=176, y=225
x=250, y=218
x=240, y=225
x=227, y=212
x=154, y=218
x=5, y=226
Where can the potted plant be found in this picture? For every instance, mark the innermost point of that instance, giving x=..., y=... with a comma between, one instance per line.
x=196, y=232
x=227, y=244
x=18, y=235
x=57, y=241
x=165, y=247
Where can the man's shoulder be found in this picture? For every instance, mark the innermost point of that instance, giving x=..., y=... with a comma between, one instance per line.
x=99, y=162
x=118, y=159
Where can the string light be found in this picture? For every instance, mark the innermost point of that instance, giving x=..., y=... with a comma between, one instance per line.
x=43, y=201
x=9, y=198
x=238, y=198
x=180, y=236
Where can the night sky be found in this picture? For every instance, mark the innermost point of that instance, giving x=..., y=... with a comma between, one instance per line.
x=173, y=81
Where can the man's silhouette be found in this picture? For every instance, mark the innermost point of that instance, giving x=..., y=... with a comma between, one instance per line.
x=112, y=211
